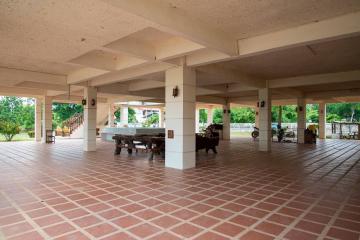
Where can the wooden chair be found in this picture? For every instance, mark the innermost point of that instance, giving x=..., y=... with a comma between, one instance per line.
x=50, y=137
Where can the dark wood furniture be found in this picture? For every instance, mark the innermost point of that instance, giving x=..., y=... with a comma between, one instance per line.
x=208, y=140
x=50, y=137
x=155, y=144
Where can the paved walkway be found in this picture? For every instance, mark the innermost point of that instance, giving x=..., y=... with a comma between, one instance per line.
x=296, y=192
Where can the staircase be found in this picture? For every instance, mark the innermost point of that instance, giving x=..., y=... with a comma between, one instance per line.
x=74, y=122
x=76, y=126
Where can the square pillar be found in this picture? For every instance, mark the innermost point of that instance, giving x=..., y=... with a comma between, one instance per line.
x=161, y=117
x=180, y=118
x=280, y=116
x=197, y=120
x=90, y=95
x=37, y=129
x=226, y=121
x=301, y=120
x=124, y=115
x=111, y=117
x=209, y=116
x=264, y=119
x=322, y=120
x=256, y=109
x=46, y=116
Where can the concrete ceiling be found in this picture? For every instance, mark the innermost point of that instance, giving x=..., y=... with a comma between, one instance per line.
x=124, y=47
x=248, y=18
x=58, y=31
x=332, y=56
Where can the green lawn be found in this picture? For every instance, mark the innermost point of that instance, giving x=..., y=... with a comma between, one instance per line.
x=18, y=137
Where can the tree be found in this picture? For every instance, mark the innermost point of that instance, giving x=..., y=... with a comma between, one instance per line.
x=153, y=119
x=63, y=111
x=11, y=109
x=131, y=115
x=9, y=129
x=217, y=116
x=203, y=116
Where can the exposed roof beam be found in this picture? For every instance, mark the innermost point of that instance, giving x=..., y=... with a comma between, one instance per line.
x=132, y=47
x=316, y=79
x=84, y=74
x=211, y=99
x=145, y=84
x=333, y=94
x=21, y=92
x=174, y=20
x=12, y=76
x=130, y=74
x=116, y=88
x=328, y=29
x=232, y=75
x=44, y=86
x=289, y=92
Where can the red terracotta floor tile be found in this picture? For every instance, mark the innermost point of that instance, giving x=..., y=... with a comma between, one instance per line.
x=186, y=230
x=211, y=236
x=253, y=235
x=100, y=230
x=126, y=221
x=271, y=228
x=342, y=234
x=165, y=221
x=58, y=229
x=119, y=236
x=66, y=191
x=28, y=236
x=229, y=229
x=165, y=236
x=300, y=235
x=205, y=221
x=144, y=230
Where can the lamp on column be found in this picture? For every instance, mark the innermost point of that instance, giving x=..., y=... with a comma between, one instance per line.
x=175, y=92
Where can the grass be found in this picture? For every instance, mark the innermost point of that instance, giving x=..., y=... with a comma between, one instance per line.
x=18, y=137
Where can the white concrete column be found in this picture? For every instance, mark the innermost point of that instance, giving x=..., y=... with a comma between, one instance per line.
x=226, y=121
x=46, y=116
x=322, y=120
x=301, y=119
x=256, y=109
x=111, y=117
x=124, y=115
x=161, y=117
x=264, y=119
x=37, y=129
x=209, y=116
x=90, y=95
x=197, y=120
x=280, y=116
x=180, y=118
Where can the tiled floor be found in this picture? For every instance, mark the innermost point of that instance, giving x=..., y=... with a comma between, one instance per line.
x=296, y=192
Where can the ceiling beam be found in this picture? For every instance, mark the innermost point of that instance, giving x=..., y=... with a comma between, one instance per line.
x=145, y=84
x=333, y=94
x=84, y=74
x=316, y=79
x=21, y=92
x=130, y=74
x=289, y=92
x=173, y=20
x=12, y=76
x=329, y=29
x=232, y=75
x=133, y=47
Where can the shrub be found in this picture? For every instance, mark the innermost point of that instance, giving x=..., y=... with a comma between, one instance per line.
x=31, y=133
x=9, y=130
